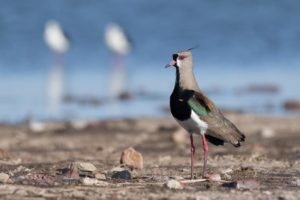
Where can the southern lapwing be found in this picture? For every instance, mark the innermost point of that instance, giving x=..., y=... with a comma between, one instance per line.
x=196, y=113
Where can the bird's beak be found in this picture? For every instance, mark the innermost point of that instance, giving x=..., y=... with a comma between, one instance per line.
x=172, y=63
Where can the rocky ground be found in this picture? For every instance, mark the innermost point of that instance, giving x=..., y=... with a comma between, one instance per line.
x=79, y=160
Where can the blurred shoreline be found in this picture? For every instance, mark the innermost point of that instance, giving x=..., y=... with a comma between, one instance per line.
x=37, y=158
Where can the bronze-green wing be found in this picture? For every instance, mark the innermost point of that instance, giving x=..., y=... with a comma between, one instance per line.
x=219, y=127
x=201, y=104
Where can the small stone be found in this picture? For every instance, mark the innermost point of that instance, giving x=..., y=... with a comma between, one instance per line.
x=18, y=170
x=93, y=182
x=79, y=124
x=247, y=184
x=86, y=166
x=173, y=184
x=132, y=158
x=226, y=177
x=179, y=137
x=225, y=174
x=214, y=177
x=100, y=176
x=37, y=127
x=227, y=171
x=267, y=132
x=125, y=175
x=117, y=169
x=4, y=177
x=267, y=193
x=296, y=182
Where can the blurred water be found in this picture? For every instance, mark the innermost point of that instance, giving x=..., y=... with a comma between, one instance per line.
x=240, y=43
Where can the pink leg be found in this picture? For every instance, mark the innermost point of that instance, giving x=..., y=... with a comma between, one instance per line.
x=205, y=149
x=192, y=155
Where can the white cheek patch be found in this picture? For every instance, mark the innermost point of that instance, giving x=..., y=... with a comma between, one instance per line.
x=178, y=62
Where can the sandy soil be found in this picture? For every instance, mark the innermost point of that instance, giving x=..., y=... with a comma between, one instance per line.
x=269, y=160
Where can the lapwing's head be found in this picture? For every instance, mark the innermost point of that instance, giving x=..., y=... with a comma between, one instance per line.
x=182, y=60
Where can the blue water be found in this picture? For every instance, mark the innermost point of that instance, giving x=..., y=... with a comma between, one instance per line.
x=240, y=43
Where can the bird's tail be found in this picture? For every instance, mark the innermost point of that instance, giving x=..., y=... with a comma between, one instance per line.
x=239, y=137
x=236, y=136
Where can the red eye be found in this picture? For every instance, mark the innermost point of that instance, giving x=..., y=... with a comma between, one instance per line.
x=181, y=57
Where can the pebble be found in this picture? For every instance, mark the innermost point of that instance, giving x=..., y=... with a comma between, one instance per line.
x=227, y=171
x=93, y=182
x=296, y=182
x=225, y=174
x=226, y=177
x=267, y=193
x=267, y=132
x=19, y=169
x=4, y=177
x=179, y=137
x=214, y=177
x=132, y=158
x=79, y=124
x=100, y=176
x=125, y=175
x=39, y=127
x=173, y=184
x=117, y=169
x=86, y=166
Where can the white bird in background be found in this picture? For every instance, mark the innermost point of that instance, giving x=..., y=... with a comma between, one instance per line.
x=116, y=39
x=119, y=44
x=58, y=41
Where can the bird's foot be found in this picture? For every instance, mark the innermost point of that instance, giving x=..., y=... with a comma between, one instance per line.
x=205, y=176
x=193, y=177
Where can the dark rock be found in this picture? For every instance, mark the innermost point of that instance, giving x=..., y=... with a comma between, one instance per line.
x=125, y=95
x=243, y=184
x=125, y=175
x=83, y=100
x=260, y=88
x=292, y=105
x=229, y=184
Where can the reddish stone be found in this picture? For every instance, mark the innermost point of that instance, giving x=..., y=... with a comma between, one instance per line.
x=132, y=158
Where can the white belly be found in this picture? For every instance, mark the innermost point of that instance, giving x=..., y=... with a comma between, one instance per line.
x=194, y=124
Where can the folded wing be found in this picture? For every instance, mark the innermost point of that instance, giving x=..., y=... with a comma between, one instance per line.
x=220, y=129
